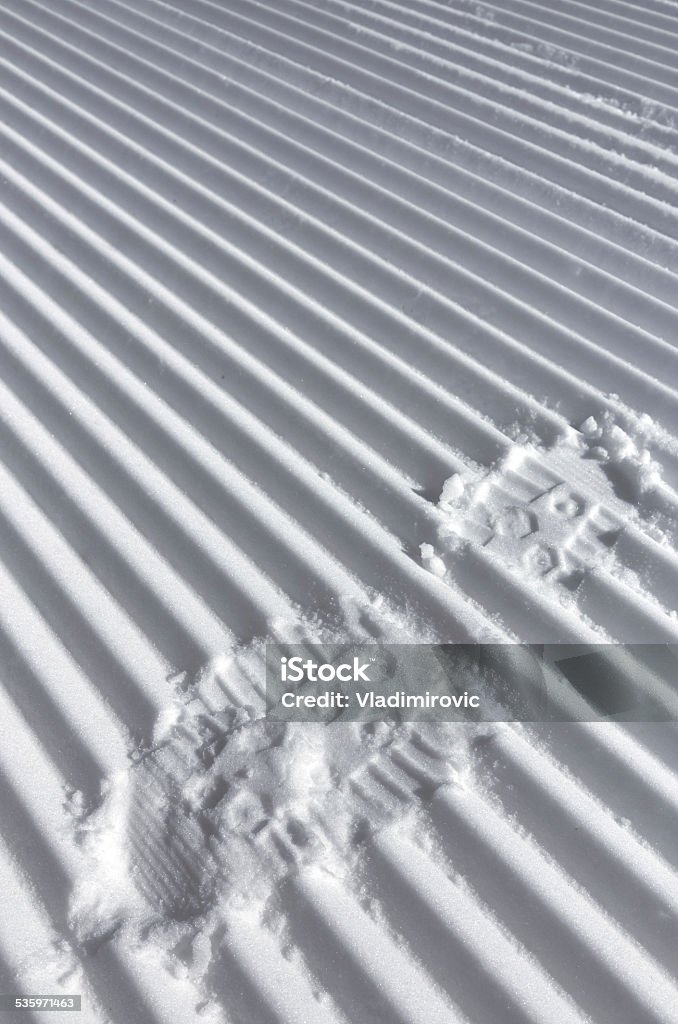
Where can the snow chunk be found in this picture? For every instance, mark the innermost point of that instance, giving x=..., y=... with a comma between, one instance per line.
x=432, y=561
x=453, y=488
x=629, y=465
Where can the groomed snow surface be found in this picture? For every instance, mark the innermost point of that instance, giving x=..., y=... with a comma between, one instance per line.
x=326, y=320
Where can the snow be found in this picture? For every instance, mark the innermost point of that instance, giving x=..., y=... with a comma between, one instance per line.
x=334, y=323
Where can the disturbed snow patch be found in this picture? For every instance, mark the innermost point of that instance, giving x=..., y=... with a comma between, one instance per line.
x=225, y=804
x=553, y=516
